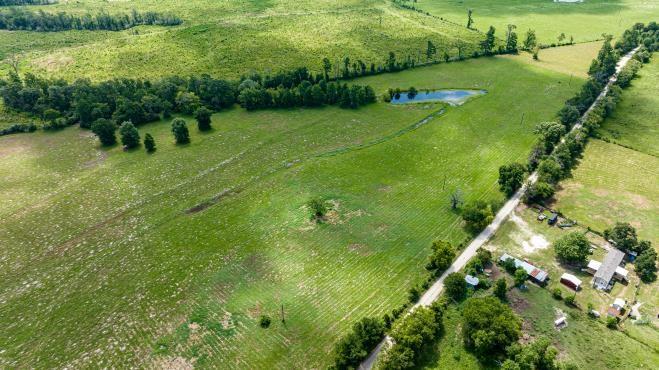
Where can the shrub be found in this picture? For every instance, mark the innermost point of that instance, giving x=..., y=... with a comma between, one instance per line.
x=569, y=300
x=149, y=143
x=557, y=293
x=203, y=117
x=264, y=321
x=180, y=131
x=500, y=288
x=318, y=209
x=520, y=277
x=611, y=322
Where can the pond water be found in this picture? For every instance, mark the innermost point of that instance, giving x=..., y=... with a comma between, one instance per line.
x=451, y=96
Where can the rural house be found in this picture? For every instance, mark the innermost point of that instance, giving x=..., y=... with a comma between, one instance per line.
x=605, y=271
x=540, y=276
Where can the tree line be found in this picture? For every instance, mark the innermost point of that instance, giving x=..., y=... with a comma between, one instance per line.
x=26, y=2
x=16, y=19
x=555, y=153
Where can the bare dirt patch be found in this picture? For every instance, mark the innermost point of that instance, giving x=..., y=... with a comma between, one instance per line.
x=174, y=363
x=529, y=240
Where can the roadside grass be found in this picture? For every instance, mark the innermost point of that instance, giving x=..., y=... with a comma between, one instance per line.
x=584, y=21
x=118, y=259
x=571, y=59
x=634, y=122
x=613, y=184
x=230, y=39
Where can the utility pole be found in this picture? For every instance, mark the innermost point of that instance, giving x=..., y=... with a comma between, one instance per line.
x=283, y=318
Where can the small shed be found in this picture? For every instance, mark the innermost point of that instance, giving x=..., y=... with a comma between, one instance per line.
x=553, y=219
x=561, y=322
x=571, y=281
x=472, y=281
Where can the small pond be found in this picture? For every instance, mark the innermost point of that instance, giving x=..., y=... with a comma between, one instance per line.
x=451, y=96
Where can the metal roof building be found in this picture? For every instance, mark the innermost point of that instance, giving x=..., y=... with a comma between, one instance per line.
x=538, y=275
x=607, y=269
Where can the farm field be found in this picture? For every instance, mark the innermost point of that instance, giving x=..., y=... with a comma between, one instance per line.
x=231, y=38
x=585, y=21
x=634, y=123
x=118, y=259
x=525, y=237
x=571, y=59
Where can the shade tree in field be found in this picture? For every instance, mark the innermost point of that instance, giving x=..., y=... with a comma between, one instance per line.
x=572, y=248
x=318, y=208
x=511, y=178
x=180, y=131
x=130, y=138
x=203, y=117
x=489, y=327
x=149, y=143
x=105, y=130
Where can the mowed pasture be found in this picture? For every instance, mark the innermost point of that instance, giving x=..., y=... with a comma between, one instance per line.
x=230, y=38
x=118, y=259
x=585, y=21
x=634, y=123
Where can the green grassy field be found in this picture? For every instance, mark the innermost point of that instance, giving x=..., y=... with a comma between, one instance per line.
x=230, y=38
x=634, y=122
x=108, y=262
x=584, y=21
x=573, y=59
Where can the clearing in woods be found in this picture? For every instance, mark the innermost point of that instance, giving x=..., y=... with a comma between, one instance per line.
x=111, y=262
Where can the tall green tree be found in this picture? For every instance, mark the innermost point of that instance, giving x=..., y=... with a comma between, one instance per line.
x=456, y=286
x=572, y=248
x=511, y=178
x=105, y=130
x=203, y=117
x=623, y=235
x=180, y=131
x=149, y=143
x=130, y=138
x=431, y=50
x=470, y=19
x=530, y=42
x=489, y=326
x=511, y=38
x=487, y=45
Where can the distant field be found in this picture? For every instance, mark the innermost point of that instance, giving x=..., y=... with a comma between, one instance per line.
x=584, y=21
x=108, y=263
x=230, y=38
x=635, y=122
x=573, y=59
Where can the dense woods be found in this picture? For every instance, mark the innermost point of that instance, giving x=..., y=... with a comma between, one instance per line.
x=16, y=19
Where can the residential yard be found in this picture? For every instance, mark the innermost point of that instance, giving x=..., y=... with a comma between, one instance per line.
x=627, y=348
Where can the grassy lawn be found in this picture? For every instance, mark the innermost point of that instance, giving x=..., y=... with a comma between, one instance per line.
x=634, y=122
x=231, y=38
x=109, y=263
x=584, y=21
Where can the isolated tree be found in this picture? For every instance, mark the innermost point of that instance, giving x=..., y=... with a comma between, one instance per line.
x=180, y=131
x=470, y=19
x=105, y=130
x=623, y=235
x=488, y=43
x=520, y=277
x=412, y=92
x=646, y=265
x=500, y=288
x=442, y=256
x=561, y=37
x=511, y=178
x=455, y=285
x=530, y=41
x=489, y=326
x=264, y=321
x=130, y=138
x=149, y=143
x=572, y=248
x=318, y=209
x=431, y=50
x=203, y=117
x=456, y=199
